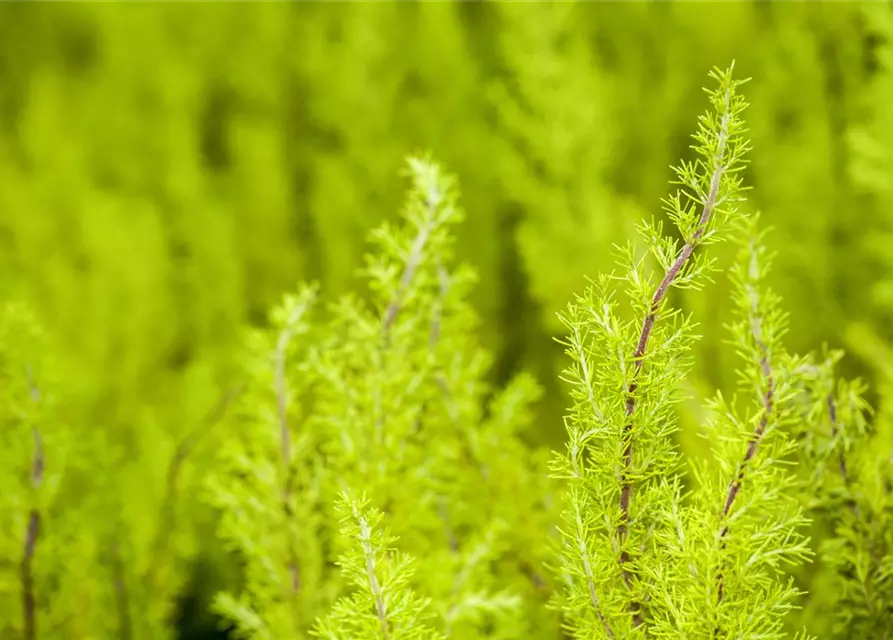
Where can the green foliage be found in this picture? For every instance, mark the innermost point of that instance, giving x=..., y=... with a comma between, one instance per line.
x=266, y=486
x=760, y=536
x=383, y=606
x=384, y=392
x=169, y=172
x=851, y=492
x=641, y=554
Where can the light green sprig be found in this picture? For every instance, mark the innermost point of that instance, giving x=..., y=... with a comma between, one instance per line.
x=383, y=606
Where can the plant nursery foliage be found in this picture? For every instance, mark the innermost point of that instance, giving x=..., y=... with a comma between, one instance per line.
x=396, y=450
x=384, y=395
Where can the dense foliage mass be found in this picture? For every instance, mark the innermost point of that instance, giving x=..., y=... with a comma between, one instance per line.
x=191, y=440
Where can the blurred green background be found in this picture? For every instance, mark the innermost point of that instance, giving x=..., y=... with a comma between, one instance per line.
x=167, y=171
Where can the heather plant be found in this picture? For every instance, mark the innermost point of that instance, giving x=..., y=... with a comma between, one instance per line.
x=37, y=451
x=382, y=604
x=369, y=477
x=849, y=461
x=646, y=551
x=384, y=394
x=78, y=560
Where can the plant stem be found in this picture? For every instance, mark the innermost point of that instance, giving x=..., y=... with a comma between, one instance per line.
x=768, y=401
x=709, y=206
x=32, y=531
x=281, y=390
x=29, y=604
x=835, y=429
x=374, y=586
x=416, y=254
x=590, y=578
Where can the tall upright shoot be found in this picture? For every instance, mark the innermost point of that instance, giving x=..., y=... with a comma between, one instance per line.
x=625, y=365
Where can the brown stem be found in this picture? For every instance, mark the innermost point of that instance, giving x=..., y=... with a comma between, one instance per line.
x=32, y=531
x=768, y=409
x=709, y=206
x=29, y=604
x=842, y=464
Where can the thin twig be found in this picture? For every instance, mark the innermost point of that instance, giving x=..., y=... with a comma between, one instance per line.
x=32, y=531
x=29, y=604
x=768, y=408
x=281, y=390
x=709, y=206
x=841, y=461
x=416, y=254
x=395, y=304
x=374, y=586
x=590, y=577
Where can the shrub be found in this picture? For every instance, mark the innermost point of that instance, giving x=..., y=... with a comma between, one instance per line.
x=372, y=484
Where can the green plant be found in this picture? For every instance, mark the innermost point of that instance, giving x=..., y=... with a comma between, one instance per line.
x=382, y=604
x=644, y=553
x=371, y=482
x=384, y=394
x=649, y=544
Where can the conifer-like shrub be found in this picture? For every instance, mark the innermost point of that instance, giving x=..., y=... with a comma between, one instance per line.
x=654, y=545
x=370, y=481
x=384, y=394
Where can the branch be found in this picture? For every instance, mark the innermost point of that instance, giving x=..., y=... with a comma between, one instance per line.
x=412, y=264
x=835, y=429
x=590, y=578
x=374, y=587
x=29, y=604
x=709, y=206
x=281, y=390
x=32, y=531
x=587, y=376
x=768, y=409
x=842, y=464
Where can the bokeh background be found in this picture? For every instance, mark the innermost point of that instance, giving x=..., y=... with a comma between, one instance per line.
x=168, y=171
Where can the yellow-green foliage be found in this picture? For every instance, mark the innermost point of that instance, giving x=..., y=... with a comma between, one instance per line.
x=170, y=173
x=385, y=396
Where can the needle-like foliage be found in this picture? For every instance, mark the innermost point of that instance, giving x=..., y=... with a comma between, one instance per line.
x=385, y=393
x=267, y=486
x=642, y=554
x=746, y=531
x=382, y=606
x=371, y=482
x=849, y=467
